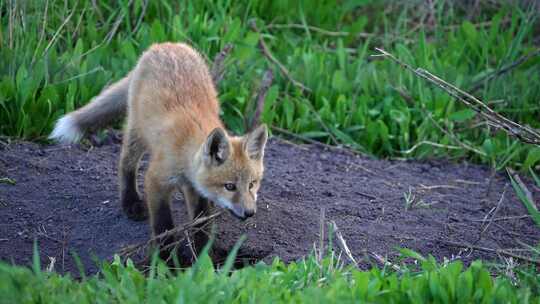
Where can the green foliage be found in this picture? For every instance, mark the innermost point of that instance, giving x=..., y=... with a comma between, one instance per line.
x=57, y=55
x=525, y=196
x=302, y=282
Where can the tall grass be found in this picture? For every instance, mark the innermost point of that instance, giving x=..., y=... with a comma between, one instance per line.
x=57, y=55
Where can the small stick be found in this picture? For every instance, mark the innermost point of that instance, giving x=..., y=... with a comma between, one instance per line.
x=266, y=51
x=190, y=245
x=7, y=180
x=494, y=213
x=371, y=197
x=424, y=187
x=116, y=24
x=429, y=143
x=522, y=185
x=314, y=142
x=218, y=64
x=453, y=136
x=266, y=82
x=143, y=12
x=499, y=219
x=309, y=27
x=383, y=261
x=321, y=232
x=503, y=70
x=55, y=36
x=486, y=249
x=129, y=250
x=343, y=245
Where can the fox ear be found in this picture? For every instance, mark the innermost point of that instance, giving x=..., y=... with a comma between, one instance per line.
x=255, y=142
x=216, y=148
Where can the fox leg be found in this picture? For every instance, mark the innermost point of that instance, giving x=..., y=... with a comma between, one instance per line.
x=158, y=196
x=132, y=151
x=197, y=207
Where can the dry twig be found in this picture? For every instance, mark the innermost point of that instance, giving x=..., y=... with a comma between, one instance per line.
x=521, y=184
x=131, y=250
x=500, y=219
x=314, y=142
x=504, y=252
x=308, y=27
x=343, y=245
x=482, y=81
x=266, y=52
x=266, y=82
x=384, y=261
x=493, y=213
x=218, y=65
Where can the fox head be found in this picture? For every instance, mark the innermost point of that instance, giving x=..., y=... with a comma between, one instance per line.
x=231, y=170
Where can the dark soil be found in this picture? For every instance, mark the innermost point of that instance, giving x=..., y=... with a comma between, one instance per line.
x=65, y=197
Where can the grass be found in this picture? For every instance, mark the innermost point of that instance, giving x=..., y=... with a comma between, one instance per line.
x=524, y=195
x=57, y=55
x=308, y=281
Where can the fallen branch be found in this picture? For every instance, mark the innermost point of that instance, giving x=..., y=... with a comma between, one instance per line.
x=523, y=133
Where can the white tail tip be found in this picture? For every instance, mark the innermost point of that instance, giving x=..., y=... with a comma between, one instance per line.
x=66, y=130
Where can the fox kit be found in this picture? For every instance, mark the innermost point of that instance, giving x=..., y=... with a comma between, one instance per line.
x=173, y=113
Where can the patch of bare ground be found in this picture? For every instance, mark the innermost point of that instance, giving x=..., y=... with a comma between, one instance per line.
x=65, y=198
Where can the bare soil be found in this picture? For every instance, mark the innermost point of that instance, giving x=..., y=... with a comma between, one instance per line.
x=65, y=198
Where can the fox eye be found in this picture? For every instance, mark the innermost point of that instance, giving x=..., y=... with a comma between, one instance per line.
x=230, y=187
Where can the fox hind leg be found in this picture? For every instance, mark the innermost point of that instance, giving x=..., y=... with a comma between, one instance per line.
x=132, y=151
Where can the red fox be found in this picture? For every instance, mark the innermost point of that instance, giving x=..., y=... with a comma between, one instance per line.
x=173, y=113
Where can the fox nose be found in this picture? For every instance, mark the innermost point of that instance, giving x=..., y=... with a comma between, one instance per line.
x=249, y=212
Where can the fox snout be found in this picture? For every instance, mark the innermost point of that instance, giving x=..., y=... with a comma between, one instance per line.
x=241, y=213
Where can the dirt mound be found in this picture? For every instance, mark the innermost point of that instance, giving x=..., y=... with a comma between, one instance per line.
x=66, y=198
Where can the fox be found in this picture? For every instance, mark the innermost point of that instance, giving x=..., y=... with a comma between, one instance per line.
x=172, y=113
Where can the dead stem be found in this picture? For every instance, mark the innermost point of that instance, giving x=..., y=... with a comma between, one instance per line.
x=266, y=52
x=499, y=72
x=343, y=244
x=266, y=82
x=218, y=63
x=134, y=249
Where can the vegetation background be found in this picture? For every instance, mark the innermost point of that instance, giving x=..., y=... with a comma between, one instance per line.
x=56, y=55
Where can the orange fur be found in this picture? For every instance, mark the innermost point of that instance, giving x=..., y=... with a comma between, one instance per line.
x=173, y=113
